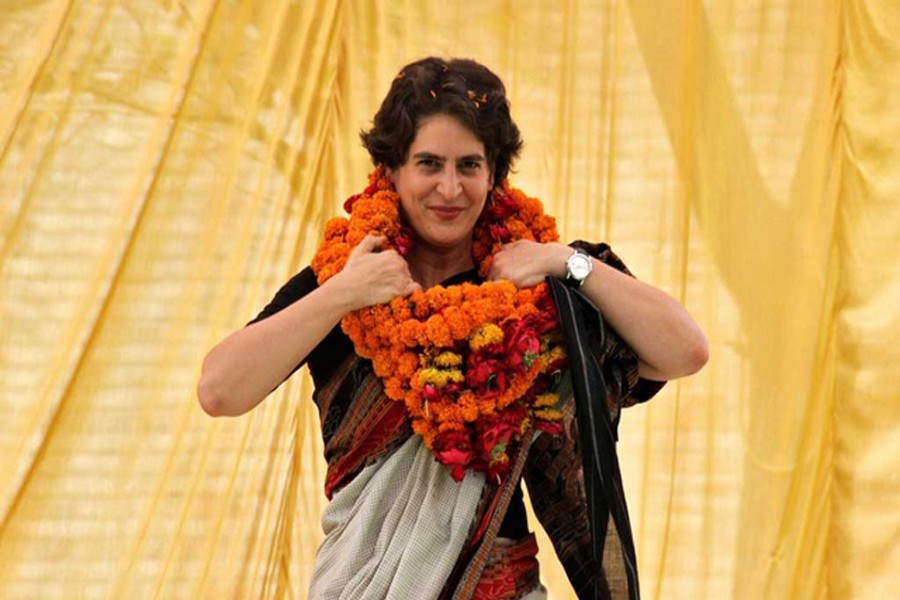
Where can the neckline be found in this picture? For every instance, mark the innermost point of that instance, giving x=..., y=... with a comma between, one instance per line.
x=467, y=276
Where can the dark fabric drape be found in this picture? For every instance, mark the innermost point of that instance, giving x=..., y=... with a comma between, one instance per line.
x=596, y=437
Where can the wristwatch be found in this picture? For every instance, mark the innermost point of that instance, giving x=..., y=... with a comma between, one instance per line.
x=578, y=267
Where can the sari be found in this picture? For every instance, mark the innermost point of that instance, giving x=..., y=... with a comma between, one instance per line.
x=399, y=526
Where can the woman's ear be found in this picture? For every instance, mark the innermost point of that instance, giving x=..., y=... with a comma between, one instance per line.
x=389, y=173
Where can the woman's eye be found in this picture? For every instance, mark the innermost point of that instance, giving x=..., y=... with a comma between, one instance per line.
x=430, y=163
x=470, y=165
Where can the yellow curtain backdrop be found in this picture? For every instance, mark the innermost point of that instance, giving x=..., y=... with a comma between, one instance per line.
x=165, y=166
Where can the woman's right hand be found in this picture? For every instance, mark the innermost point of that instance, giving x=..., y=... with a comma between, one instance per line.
x=247, y=365
x=374, y=276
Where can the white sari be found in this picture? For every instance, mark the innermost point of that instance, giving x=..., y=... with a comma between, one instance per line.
x=396, y=530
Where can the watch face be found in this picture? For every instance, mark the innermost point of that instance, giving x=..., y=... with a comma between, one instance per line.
x=579, y=266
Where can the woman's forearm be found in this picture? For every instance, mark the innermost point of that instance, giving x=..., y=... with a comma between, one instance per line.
x=245, y=367
x=667, y=341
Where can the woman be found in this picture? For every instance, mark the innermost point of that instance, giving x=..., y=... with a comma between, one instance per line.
x=453, y=384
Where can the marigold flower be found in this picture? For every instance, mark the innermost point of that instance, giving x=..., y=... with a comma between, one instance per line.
x=485, y=335
x=544, y=400
x=448, y=359
x=458, y=321
x=406, y=363
x=336, y=228
x=548, y=414
x=439, y=378
x=554, y=356
x=437, y=331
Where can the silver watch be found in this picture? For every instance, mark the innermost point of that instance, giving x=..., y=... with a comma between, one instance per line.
x=578, y=267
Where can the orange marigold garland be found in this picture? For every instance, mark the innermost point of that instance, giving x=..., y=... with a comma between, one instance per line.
x=473, y=364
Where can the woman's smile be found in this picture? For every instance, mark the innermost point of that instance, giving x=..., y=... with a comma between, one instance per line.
x=446, y=213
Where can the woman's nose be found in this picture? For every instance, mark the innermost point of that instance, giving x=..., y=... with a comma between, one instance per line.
x=449, y=185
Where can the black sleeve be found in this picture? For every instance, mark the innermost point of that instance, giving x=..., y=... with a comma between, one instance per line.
x=332, y=350
x=297, y=286
x=637, y=389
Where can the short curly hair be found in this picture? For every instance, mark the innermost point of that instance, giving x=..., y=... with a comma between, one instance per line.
x=461, y=88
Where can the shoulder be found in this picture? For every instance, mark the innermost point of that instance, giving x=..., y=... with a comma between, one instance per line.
x=295, y=288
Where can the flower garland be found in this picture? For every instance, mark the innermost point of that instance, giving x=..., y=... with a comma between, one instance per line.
x=473, y=364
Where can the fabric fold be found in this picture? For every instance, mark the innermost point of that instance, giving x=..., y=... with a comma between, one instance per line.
x=424, y=517
x=596, y=436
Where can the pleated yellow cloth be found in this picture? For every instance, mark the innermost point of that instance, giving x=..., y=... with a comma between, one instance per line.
x=165, y=166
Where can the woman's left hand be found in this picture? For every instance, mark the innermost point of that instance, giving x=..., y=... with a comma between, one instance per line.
x=526, y=263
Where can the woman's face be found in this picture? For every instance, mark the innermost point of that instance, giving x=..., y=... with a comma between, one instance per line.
x=444, y=182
